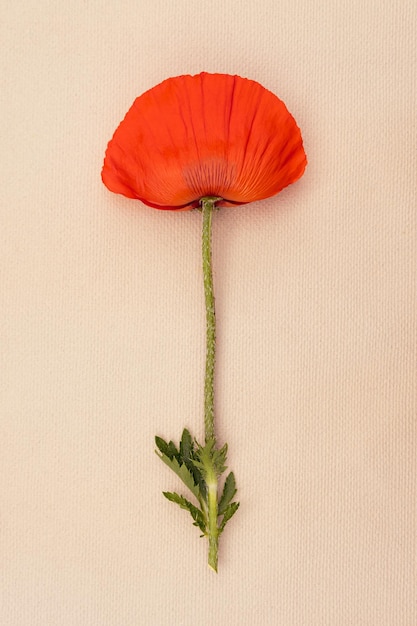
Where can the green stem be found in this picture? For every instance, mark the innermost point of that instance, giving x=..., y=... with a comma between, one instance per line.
x=208, y=204
x=207, y=207
x=213, y=531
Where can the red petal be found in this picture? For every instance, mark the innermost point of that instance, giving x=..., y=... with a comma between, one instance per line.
x=204, y=135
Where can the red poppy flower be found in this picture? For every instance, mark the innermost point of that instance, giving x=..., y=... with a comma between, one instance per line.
x=205, y=135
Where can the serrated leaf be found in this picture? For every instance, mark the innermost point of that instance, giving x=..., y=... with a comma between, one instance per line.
x=196, y=514
x=198, y=477
x=162, y=445
x=204, y=453
x=210, y=459
x=229, y=491
x=219, y=459
x=204, y=456
x=229, y=512
x=186, y=445
x=169, y=449
x=173, y=452
x=182, y=472
x=187, y=457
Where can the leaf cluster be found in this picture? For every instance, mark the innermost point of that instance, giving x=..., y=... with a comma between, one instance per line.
x=194, y=465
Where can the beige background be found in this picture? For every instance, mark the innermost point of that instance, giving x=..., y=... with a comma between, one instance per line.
x=102, y=324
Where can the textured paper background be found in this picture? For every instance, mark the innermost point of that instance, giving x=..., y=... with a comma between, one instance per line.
x=102, y=324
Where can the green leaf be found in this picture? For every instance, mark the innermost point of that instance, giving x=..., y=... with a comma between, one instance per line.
x=186, y=445
x=204, y=456
x=173, y=452
x=219, y=459
x=229, y=491
x=209, y=460
x=162, y=445
x=187, y=457
x=183, y=463
x=198, y=477
x=182, y=472
x=229, y=512
x=196, y=514
x=169, y=449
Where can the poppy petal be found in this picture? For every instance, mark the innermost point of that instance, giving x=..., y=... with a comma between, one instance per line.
x=204, y=135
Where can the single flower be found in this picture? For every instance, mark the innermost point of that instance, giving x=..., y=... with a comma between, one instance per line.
x=206, y=135
x=206, y=141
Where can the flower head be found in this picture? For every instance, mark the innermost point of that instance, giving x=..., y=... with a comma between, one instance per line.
x=205, y=135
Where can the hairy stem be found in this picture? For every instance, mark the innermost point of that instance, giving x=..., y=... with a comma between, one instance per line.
x=213, y=531
x=207, y=208
x=208, y=205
